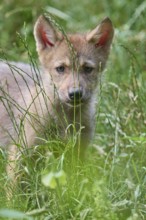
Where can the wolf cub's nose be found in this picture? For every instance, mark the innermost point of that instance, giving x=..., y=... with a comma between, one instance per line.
x=75, y=94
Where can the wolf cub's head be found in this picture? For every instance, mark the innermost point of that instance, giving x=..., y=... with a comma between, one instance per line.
x=73, y=60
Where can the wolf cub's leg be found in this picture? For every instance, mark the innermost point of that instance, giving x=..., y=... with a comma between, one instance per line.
x=11, y=170
x=11, y=167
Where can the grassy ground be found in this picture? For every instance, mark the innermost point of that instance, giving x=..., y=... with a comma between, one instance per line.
x=111, y=183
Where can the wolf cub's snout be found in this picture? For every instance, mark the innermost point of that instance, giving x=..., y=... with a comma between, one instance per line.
x=75, y=94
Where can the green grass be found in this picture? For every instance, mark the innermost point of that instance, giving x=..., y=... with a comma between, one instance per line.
x=111, y=183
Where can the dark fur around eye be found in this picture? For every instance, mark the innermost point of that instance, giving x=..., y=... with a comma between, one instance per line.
x=60, y=69
x=87, y=69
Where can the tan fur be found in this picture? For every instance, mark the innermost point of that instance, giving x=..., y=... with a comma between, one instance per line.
x=30, y=106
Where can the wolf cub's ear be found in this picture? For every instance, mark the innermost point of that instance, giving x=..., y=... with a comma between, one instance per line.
x=102, y=35
x=45, y=34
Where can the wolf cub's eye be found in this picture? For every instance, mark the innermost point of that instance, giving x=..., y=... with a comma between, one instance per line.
x=60, y=69
x=87, y=69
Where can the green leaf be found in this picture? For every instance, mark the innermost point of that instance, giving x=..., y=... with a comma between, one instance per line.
x=49, y=180
x=13, y=214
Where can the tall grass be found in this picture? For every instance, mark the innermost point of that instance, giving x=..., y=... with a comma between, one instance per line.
x=110, y=183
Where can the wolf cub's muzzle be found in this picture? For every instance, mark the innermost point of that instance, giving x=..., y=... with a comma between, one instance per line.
x=75, y=95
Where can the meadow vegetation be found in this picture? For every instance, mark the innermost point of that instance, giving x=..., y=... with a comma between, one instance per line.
x=111, y=183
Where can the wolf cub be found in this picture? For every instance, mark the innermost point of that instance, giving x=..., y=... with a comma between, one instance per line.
x=60, y=94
